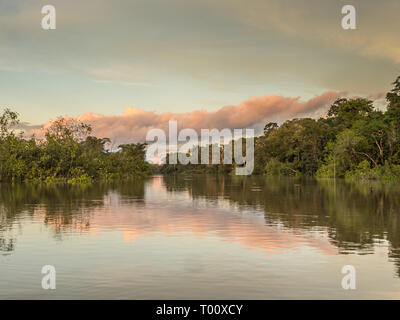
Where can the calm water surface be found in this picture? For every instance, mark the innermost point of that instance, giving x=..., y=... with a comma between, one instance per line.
x=200, y=237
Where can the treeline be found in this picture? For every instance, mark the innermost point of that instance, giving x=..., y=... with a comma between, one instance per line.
x=68, y=152
x=354, y=140
x=198, y=168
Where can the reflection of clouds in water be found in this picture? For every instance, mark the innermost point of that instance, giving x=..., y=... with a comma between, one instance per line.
x=176, y=213
x=256, y=213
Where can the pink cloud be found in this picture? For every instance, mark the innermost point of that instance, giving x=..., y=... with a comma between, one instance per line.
x=377, y=96
x=134, y=123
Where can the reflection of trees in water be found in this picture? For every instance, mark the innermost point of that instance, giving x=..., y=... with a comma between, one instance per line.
x=63, y=206
x=355, y=215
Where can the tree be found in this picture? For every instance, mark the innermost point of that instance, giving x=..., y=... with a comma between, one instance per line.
x=68, y=128
x=269, y=127
x=299, y=142
x=344, y=112
x=392, y=117
x=8, y=119
x=375, y=131
x=68, y=153
x=393, y=97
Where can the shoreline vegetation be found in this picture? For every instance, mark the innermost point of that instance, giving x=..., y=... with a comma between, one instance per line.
x=68, y=153
x=355, y=141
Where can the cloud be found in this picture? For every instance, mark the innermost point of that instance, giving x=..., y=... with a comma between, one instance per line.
x=134, y=123
x=288, y=44
x=320, y=22
x=377, y=96
x=26, y=126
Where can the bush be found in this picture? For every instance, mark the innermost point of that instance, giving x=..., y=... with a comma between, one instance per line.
x=362, y=171
x=277, y=168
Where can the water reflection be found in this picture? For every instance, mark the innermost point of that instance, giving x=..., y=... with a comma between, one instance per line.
x=62, y=207
x=259, y=213
x=355, y=215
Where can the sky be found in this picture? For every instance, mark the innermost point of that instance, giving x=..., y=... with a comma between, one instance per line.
x=126, y=66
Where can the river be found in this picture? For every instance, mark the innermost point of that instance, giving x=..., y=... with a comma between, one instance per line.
x=201, y=237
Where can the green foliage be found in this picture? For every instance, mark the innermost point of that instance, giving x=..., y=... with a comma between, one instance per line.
x=7, y=120
x=389, y=173
x=68, y=153
x=344, y=112
x=354, y=141
x=276, y=168
x=298, y=142
x=362, y=171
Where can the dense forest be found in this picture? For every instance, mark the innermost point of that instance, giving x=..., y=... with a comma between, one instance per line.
x=354, y=140
x=68, y=153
